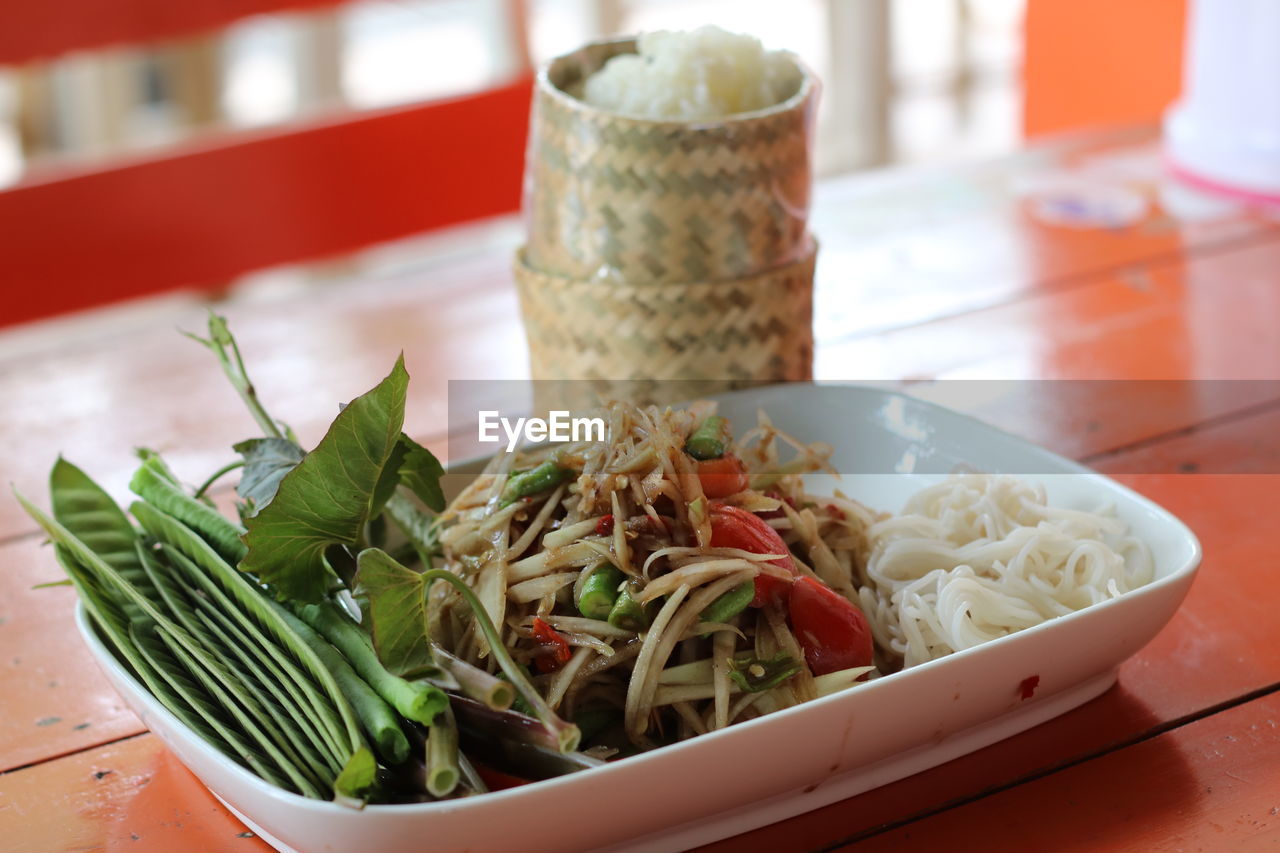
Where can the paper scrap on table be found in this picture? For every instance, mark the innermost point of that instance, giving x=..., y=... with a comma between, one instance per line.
x=1070, y=201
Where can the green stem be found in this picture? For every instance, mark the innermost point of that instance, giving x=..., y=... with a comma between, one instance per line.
x=470, y=777
x=224, y=346
x=475, y=682
x=213, y=478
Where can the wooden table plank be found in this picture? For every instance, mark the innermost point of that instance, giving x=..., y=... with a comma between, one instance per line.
x=1206, y=656
x=132, y=795
x=1235, y=446
x=908, y=246
x=1211, y=317
x=55, y=699
x=1103, y=366
x=1210, y=785
x=1096, y=419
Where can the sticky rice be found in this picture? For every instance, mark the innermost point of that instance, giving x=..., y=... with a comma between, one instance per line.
x=703, y=74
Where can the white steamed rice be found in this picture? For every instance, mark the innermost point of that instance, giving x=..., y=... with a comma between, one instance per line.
x=706, y=73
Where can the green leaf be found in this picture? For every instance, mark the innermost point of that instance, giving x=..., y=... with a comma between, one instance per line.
x=397, y=612
x=416, y=526
x=217, y=679
x=227, y=689
x=254, y=723
x=755, y=674
x=235, y=596
x=266, y=462
x=412, y=465
x=329, y=497
x=421, y=472
x=388, y=480
x=171, y=680
x=114, y=627
x=357, y=778
x=211, y=627
x=85, y=509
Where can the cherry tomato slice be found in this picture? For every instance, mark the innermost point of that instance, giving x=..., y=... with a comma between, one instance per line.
x=496, y=780
x=832, y=631
x=722, y=477
x=734, y=527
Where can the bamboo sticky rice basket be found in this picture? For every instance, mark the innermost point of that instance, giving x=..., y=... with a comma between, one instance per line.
x=663, y=201
x=673, y=253
x=755, y=328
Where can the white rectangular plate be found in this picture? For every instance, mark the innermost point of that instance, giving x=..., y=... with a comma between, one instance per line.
x=771, y=768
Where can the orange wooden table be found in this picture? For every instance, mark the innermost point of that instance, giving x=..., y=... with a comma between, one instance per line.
x=1163, y=333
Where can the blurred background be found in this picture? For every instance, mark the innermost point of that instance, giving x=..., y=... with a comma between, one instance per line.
x=905, y=81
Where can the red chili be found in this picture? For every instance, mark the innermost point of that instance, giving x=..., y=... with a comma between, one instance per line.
x=734, y=527
x=836, y=511
x=555, y=651
x=832, y=631
x=1027, y=688
x=722, y=477
x=604, y=527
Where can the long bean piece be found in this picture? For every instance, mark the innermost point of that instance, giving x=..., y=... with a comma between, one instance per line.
x=419, y=702
x=544, y=477
x=442, y=755
x=376, y=716
x=153, y=484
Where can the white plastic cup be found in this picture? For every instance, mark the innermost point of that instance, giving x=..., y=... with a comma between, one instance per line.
x=1224, y=131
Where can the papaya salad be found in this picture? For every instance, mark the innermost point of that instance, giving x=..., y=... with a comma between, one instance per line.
x=665, y=582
